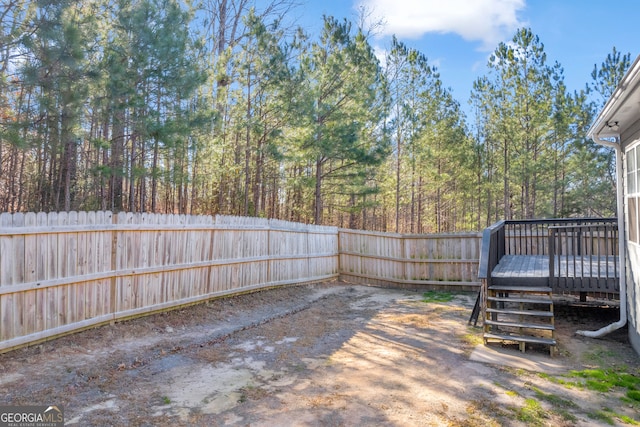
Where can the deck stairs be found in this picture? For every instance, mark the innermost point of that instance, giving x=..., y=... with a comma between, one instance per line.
x=520, y=314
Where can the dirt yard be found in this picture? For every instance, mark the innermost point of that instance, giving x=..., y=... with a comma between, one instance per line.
x=330, y=354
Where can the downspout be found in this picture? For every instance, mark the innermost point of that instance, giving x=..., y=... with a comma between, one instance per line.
x=621, y=243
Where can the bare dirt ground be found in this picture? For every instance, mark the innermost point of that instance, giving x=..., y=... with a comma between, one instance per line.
x=330, y=354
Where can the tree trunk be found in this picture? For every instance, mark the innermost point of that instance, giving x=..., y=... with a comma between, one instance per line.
x=317, y=200
x=505, y=183
x=117, y=159
x=398, y=174
x=132, y=177
x=247, y=148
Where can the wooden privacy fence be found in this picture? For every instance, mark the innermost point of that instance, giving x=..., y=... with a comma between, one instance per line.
x=62, y=272
x=447, y=260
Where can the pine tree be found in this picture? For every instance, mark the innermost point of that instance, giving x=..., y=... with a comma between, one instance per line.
x=153, y=71
x=60, y=71
x=342, y=77
x=518, y=101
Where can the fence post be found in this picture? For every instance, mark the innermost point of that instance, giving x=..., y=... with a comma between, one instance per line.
x=337, y=248
x=114, y=266
x=403, y=256
x=269, y=252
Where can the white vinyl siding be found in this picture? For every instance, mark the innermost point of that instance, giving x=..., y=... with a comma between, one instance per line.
x=632, y=163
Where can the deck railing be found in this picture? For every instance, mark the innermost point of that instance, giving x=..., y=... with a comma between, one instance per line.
x=492, y=250
x=584, y=258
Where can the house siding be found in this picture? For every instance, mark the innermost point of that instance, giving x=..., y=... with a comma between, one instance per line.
x=633, y=288
x=629, y=141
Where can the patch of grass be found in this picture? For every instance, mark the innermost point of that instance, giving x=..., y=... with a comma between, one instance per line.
x=473, y=337
x=628, y=381
x=603, y=416
x=519, y=372
x=567, y=416
x=634, y=395
x=599, y=385
x=556, y=401
x=609, y=414
x=561, y=381
x=437, y=296
x=532, y=413
x=599, y=355
x=597, y=374
x=628, y=420
x=166, y=400
x=560, y=404
x=603, y=380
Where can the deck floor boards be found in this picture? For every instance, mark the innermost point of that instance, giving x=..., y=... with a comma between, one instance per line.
x=537, y=266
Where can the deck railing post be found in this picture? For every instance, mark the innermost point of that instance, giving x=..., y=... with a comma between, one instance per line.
x=552, y=250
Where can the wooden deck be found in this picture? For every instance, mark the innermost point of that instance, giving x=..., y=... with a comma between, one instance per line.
x=521, y=270
x=586, y=273
x=567, y=255
x=523, y=263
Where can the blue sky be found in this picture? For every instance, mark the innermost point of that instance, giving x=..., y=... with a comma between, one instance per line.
x=458, y=36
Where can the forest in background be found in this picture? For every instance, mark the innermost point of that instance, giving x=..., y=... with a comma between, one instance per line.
x=226, y=107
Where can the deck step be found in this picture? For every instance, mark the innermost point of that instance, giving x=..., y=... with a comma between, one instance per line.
x=514, y=312
x=540, y=326
x=534, y=313
x=521, y=338
x=522, y=300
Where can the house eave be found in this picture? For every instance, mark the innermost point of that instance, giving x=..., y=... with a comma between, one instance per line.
x=621, y=109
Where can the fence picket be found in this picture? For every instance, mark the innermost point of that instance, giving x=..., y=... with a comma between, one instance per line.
x=28, y=307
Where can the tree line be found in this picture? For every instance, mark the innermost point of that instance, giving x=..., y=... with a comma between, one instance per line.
x=221, y=107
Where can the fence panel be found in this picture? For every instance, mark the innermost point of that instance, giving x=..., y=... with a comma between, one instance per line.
x=61, y=272
x=410, y=260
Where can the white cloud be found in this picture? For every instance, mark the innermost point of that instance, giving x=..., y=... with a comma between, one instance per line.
x=487, y=21
x=380, y=53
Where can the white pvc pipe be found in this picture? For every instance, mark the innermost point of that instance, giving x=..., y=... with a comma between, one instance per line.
x=621, y=244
